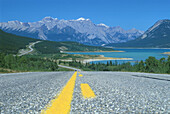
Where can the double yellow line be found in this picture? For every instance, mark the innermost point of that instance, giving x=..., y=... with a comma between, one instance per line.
x=62, y=103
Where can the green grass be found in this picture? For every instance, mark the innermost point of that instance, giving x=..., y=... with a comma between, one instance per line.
x=64, y=69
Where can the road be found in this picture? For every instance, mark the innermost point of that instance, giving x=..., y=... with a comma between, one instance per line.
x=30, y=47
x=70, y=68
x=111, y=92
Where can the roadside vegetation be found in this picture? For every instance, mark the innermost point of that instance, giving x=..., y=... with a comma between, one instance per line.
x=151, y=65
x=25, y=63
x=10, y=63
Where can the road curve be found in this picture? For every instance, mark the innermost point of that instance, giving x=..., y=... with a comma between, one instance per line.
x=30, y=47
x=116, y=92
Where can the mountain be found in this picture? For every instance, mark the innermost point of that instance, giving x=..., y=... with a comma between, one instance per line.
x=10, y=43
x=81, y=30
x=157, y=36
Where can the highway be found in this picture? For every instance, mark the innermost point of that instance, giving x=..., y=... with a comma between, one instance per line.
x=70, y=68
x=84, y=92
x=30, y=48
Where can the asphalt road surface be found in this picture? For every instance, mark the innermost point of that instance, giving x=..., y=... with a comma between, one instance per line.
x=115, y=92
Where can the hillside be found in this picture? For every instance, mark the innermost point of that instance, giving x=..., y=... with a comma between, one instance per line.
x=157, y=36
x=10, y=43
x=49, y=47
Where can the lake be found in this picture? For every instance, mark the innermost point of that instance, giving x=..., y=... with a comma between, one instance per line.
x=136, y=54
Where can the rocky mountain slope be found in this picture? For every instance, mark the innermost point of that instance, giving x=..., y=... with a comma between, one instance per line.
x=80, y=30
x=157, y=36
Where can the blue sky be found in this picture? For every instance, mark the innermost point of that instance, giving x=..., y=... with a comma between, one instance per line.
x=139, y=14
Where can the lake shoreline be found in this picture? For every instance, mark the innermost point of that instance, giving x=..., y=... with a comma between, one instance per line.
x=135, y=48
x=136, y=54
x=168, y=53
x=105, y=59
x=97, y=59
x=89, y=51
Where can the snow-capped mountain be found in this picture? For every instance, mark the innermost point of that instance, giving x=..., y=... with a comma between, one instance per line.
x=81, y=30
x=157, y=36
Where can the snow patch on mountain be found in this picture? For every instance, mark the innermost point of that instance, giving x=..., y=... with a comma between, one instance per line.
x=81, y=19
x=103, y=25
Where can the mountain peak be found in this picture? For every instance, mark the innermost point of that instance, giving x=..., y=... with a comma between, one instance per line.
x=101, y=24
x=155, y=27
x=157, y=24
x=163, y=20
x=15, y=22
x=133, y=30
x=82, y=19
x=48, y=18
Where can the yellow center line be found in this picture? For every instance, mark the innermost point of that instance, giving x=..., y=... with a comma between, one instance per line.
x=87, y=92
x=62, y=104
x=80, y=75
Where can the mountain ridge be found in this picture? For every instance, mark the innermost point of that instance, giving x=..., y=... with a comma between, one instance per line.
x=157, y=36
x=80, y=30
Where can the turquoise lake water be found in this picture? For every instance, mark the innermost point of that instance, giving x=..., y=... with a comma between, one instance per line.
x=136, y=54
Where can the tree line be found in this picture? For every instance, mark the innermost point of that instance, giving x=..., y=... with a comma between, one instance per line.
x=150, y=65
x=26, y=63
x=30, y=63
